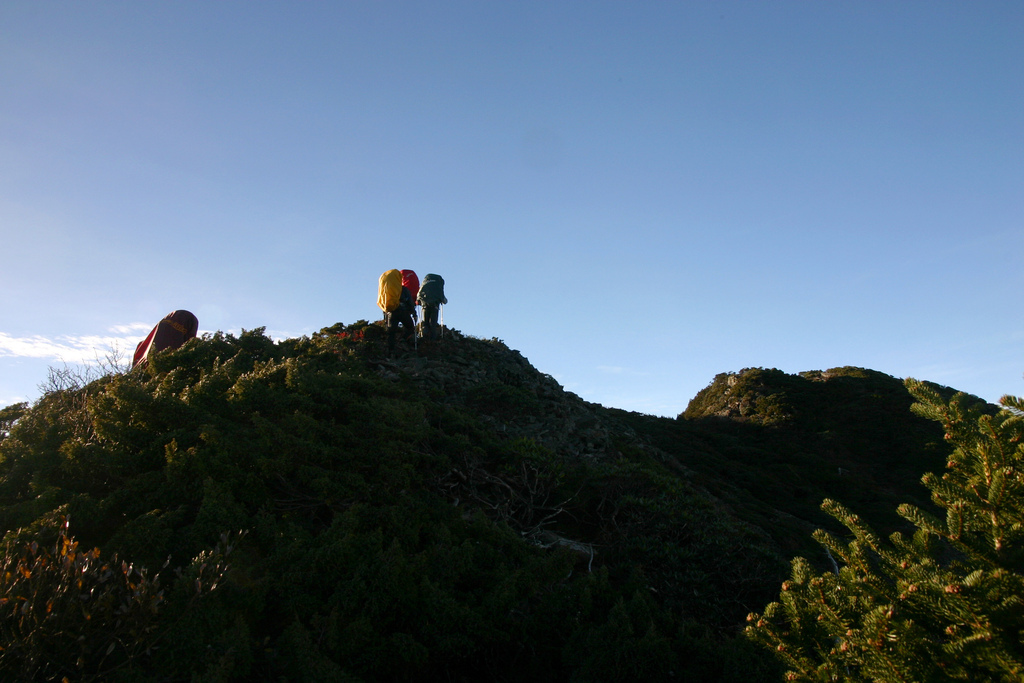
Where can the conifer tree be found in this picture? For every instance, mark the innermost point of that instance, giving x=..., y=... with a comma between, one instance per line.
x=946, y=604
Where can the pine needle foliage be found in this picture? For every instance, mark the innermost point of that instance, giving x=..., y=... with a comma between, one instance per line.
x=944, y=604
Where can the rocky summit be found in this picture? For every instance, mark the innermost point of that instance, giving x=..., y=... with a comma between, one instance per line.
x=515, y=399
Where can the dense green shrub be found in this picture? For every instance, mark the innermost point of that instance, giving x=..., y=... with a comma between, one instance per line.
x=395, y=528
x=66, y=613
x=773, y=445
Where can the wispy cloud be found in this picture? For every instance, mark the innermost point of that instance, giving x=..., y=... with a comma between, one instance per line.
x=89, y=349
x=85, y=349
x=279, y=335
x=132, y=328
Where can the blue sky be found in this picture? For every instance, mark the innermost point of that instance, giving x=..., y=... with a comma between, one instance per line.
x=637, y=196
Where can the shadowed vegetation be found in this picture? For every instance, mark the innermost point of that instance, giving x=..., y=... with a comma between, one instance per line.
x=449, y=514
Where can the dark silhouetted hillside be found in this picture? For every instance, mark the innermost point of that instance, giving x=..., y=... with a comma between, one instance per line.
x=447, y=514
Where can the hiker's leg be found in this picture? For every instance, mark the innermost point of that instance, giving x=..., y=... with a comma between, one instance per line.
x=430, y=321
x=407, y=329
x=392, y=328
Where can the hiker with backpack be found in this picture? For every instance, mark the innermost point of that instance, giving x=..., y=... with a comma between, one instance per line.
x=398, y=305
x=431, y=298
x=176, y=328
x=411, y=282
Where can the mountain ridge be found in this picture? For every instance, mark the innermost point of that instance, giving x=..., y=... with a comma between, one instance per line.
x=540, y=528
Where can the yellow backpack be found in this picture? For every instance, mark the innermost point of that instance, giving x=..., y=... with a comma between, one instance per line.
x=389, y=292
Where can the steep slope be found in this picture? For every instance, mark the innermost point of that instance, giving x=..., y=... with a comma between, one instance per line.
x=447, y=514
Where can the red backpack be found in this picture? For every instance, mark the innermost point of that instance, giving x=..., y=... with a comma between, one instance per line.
x=175, y=329
x=411, y=282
